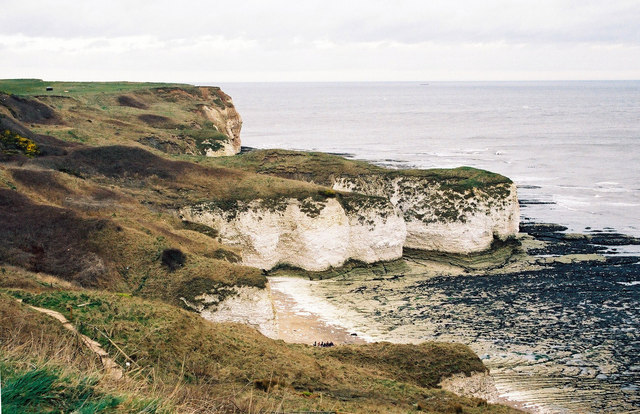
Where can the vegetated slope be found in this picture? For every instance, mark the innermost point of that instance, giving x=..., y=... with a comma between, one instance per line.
x=199, y=366
x=105, y=235
x=102, y=216
x=44, y=369
x=323, y=169
x=82, y=200
x=172, y=118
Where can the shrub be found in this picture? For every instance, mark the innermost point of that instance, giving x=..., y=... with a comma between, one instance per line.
x=10, y=142
x=328, y=193
x=173, y=259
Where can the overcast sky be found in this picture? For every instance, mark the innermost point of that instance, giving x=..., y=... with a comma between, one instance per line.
x=308, y=40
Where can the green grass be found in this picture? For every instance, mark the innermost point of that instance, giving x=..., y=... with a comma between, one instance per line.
x=45, y=369
x=38, y=87
x=167, y=117
x=45, y=390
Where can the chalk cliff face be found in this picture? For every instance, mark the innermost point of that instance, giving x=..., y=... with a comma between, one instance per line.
x=383, y=214
x=249, y=305
x=443, y=219
x=310, y=234
x=222, y=113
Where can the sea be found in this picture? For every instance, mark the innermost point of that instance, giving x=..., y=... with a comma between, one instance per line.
x=571, y=339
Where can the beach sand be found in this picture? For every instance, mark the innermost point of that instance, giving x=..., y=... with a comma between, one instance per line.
x=297, y=325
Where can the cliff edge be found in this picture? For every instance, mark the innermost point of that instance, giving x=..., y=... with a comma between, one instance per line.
x=171, y=118
x=462, y=211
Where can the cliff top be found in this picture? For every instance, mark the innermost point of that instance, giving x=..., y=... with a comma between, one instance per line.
x=31, y=87
x=322, y=168
x=171, y=118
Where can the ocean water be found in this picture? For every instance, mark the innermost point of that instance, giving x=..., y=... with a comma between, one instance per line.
x=563, y=339
x=573, y=148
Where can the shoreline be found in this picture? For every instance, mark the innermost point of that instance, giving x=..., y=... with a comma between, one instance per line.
x=306, y=325
x=555, y=369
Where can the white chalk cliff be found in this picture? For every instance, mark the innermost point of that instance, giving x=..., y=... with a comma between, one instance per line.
x=394, y=212
x=248, y=305
x=442, y=219
x=310, y=234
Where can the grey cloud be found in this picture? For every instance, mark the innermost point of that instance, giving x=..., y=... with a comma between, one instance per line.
x=320, y=40
x=341, y=21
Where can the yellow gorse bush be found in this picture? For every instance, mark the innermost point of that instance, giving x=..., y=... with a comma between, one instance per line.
x=10, y=142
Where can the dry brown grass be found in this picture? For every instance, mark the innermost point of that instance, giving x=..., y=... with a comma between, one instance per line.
x=30, y=110
x=233, y=368
x=98, y=234
x=27, y=334
x=50, y=239
x=13, y=277
x=31, y=341
x=131, y=101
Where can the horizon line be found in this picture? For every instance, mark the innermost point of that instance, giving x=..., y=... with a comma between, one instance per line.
x=424, y=81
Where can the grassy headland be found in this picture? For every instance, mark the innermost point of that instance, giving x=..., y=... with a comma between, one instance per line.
x=33, y=87
x=171, y=118
x=322, y=168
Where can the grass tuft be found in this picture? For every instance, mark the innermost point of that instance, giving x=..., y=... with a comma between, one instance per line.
x=45, y=390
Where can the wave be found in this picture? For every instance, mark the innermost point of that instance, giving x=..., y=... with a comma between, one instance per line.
x=634, y=283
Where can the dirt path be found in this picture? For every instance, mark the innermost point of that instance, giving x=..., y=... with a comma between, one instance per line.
x=112, y=369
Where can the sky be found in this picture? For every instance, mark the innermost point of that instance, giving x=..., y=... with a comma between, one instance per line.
x=309, y=40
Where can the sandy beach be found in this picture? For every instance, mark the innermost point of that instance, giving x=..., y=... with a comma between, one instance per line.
x=296, y=324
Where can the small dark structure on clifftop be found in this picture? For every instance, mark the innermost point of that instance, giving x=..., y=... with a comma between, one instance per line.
x=49, y=88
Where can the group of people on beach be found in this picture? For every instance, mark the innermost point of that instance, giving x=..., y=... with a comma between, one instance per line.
x=323, y=344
